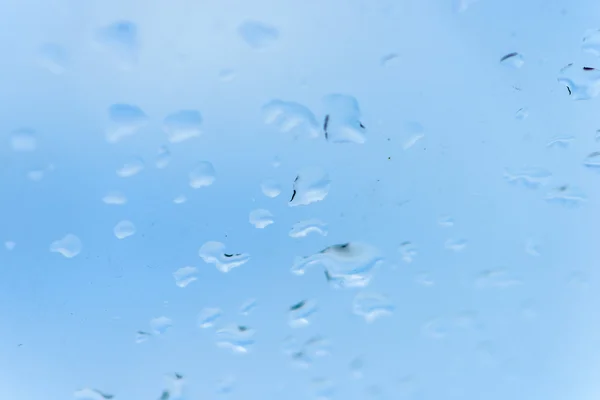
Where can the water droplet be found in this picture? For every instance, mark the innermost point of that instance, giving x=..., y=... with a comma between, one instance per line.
x=356, y=367
x=485, y=353
x=389, y=59
x=202, y=175
x=528, y=309
x=124, y=229
x=591, y=42
x=163, y=157
x=270, y=188
x=411, y=141
x=214, y=253
x=183, y=125
x=142, y=337
x=131, y=168
x=23, y=139
x=9, y=245
x=300, y=313
x=522, y=113
x=175, y=385
x=36, y=175
x=456, y=245
x=372, y=306
x=160, y=325
x=92, y=394
x=276, y=163
x=311, y=185
x=513, y=60
x=248, y=306
x=122, y=39
x=69, y=246
x=424, y=279
x=125, y=120
x=238, y=339
x=461, y=6
x=434, y=329
x=342, y=121
x=114, y=198
x=258, y=35
x=53, y=57
x=582, y=83
x=208, y=317
x=532, y=247
x=578, y=279
x=408, y=251
x=261, y=218
x=597, y=137
x=227, y=75
x=592, y=161
x=561, y=142
x=322, y=388
x=531, y=178
x=446, y=221
x=225, y=385
x=288, y=116
x=304, y=228
x=346, y=265
x=566, y=196
x=185, y=275
x=467, y=320
x=180, y=199
x=496, y=278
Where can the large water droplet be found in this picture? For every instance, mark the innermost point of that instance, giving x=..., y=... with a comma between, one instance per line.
x=185, y=275
x=311, y=185
x=531, y=178
x=214, y=253
x=208, y=317
x=202, y=175
x=513, y=60
x=261, y=218
x=23, y=139
x=591, y=42
x=371, y=306
x=346, y=265
x=288, y=116
x=342, y=121
x=53, y=57
x=304, y=228
x=124, y=120
x=300, y=313
x=92, y=394
x=183, y=125
x=69, y=246
x=270, y=188
x=124, y=229
x=160, y=325
x=238, y=339
x=114, y=198
x=131, y=168
x=582, y=83
x=258, y=35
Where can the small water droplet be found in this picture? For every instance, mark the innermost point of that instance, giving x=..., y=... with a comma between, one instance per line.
x=496, y=278
x=225, y=385
x=69, y=246
x=208, y=317
x=124, y=120
x=237, y=338
x=356, y=367
x=591, y=42
x=532, y=247
x=23, y=140
x=531, y=178
x=114, y=198
x=121, y=38
x=446, y=221
x=372, y=306
x=53, y=57
x=522, y=113
x=124, y=229
x=456, y=245
x=185, y=275
x=182, y=125
x=202, y=175
x=160, y=325
x=566, y=196
x=561, y=142
x=322, y=388
x=304, y=228
x=434, y=329
x=261, y=218
x=92, y=394
x=270, y=188
x=180, y=199
x=142, y=337
x=343, y=120
x=214, y=253
x=300, y=313
x=258, y=35
x=389, y=59
x=582, y=83
x=163, y=157
x=131, y=168
x=408, y=251
x=424, y=279
x=513, y=60
x=9, y=245
x=288, y=116
x=248, y=306
x=592, y=161
x=311, y=185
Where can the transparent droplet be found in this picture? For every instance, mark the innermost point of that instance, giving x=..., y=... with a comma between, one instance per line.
x=202, y=175
x=208, y=317
x=183, y=125
x=456, y=245
x=9, y=245
x=528, y=309
x=372, y=306
x=389, y=59
x=185, y=275
x=237, y=338
x=124, y=229
x=23, y=139
x=225, y=385
x=141, y=336
x=300, y=313
x=248, y=306
x=214, y=253
x=163, y=157
x=522, y=113
x=121, y=38
x=317, y=346
x=592, y=161
x=513, y=60
x=288, y=116
x=461, y=6
x=311, y=185
x=124, y=120
x=227, y=75
x=258, y=35
x=412, y=140
x=532, y=247
x=270, y=188
x=446, y=221
x=36, y=175
x=424, y=279
x=567, y=196
x=434, y=329
x=343, y=120
x=131, y=168
x=531, y=178
x=53, y=57
x=261, y=218
x=92, y=394
x=356, y=367
x=114, y=198
x=322, y=388
x=276, y=163
x=496, y=278
x=346, y=265
x=160, y=325
x=582, y=83
x=175, y=384
x=304, y=228
x=69, y=246
x=180, y=199
x=408, y=251
x=591, y=42
x=561, y=142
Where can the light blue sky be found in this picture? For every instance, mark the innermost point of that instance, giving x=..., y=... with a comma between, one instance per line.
x=67, y=324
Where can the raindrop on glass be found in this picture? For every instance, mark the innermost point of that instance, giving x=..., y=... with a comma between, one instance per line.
x=567, y=196
x=121, y=38
x=258, y=35
x=371, y=306
x=185, y=275
x=180, y=199
x=53, y=57
x=300, y=313
x=208, y=317
x=582, y=83
x=261, y=218
x=408, y=252
x=592, y=161
x=23, y=140
x=92, y=394
x=183, y=125
x=512, y=60
x=124, y=120
x=69, y=246
x=160, y=325
x=304, y=228
x=237, y=338
x=270, y=188
x=214, y=253
x=163, y=157
x=456, y=245
x=202, y=175
x=311, y=185
x=114, y=198
x=342, y=122
x=522, y=113
x=288, y=116
x=124, y=229
x=591, y=42
x=248, y=306
x=131, y=168
x=531, y=178
x=561, y=142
